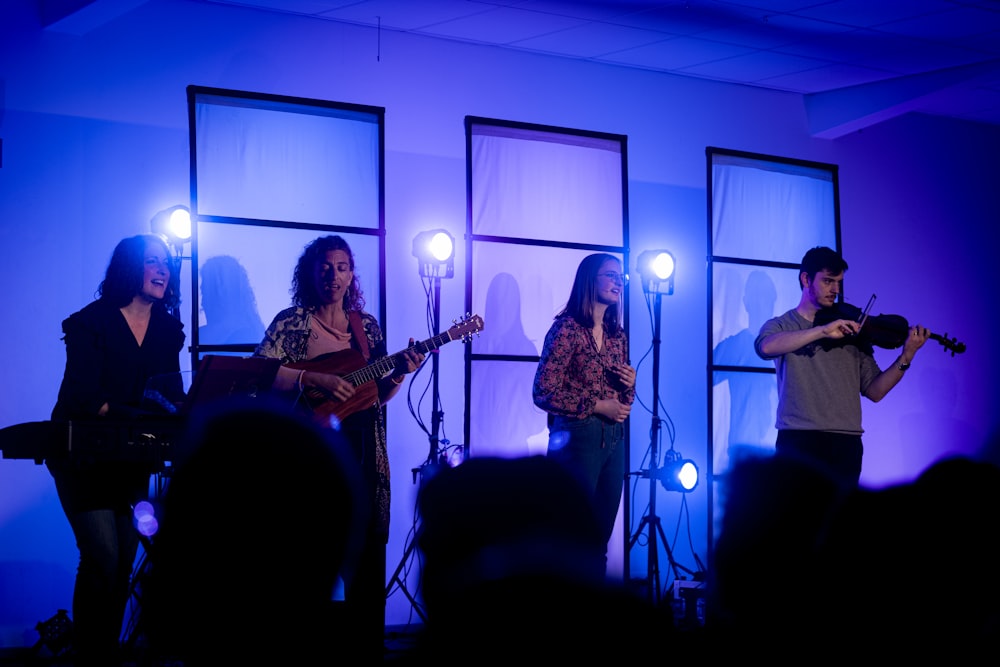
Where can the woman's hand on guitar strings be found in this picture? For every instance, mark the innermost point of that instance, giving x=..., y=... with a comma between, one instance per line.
x=332, y=385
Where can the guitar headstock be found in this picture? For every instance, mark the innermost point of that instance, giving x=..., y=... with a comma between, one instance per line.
x=466, y=328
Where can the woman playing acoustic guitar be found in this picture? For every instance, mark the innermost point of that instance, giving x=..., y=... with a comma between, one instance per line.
x=323, y=336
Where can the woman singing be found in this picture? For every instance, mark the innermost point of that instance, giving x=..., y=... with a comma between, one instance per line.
x=113, y=346
x=327, y=318
x=586, y=385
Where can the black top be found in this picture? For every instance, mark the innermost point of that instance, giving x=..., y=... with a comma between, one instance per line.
x=105, y=364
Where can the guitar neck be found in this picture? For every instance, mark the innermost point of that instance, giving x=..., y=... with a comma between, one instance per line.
x=380, y=367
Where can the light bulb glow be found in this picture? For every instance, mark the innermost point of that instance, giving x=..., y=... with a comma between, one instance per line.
x=179, y=224
x=663, y=265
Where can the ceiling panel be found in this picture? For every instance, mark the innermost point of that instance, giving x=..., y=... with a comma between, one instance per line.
x=946, y=52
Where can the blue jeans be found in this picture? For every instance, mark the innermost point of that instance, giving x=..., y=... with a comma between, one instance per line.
x=593, y=449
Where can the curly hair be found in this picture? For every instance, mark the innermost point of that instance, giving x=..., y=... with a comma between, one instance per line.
x=303, y=290
x=583, y=295
x=124, y=277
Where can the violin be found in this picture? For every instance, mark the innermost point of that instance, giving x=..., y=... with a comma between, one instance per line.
x=887, y=331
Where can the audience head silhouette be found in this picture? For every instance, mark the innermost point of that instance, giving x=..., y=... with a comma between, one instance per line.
x=899, y=537
x=775, y=513
x=490, y=518
x=260, y=520
x=855, y=572
x=514, y=563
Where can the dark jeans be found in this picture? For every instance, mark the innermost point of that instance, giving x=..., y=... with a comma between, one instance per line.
x=593, y=449
x=838, y=454
x=98, y=504
x=108, y=543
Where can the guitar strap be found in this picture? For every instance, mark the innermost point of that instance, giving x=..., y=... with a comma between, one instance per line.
x=358, y=331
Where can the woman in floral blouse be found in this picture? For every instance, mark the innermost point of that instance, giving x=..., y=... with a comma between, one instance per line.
x=585, y=383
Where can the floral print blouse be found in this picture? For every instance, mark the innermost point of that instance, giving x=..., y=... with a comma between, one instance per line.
x=573, y=374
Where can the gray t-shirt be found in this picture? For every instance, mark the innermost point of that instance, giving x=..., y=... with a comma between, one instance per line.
x=819, y=385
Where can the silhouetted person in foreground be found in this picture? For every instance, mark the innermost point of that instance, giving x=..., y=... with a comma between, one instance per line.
x=905, y=571
x=912, y=568
x=513, y=568
x=260, y=520
x=775, y=514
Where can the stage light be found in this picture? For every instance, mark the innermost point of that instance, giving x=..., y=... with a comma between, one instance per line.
x=173, y=224
x=656, y=269
x=435, y=253
x=678, y=473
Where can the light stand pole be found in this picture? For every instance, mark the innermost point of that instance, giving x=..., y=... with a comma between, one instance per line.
x=651, y=519
x=656, y=267
x=432, y=456
x=436, y=415
x=434, y=251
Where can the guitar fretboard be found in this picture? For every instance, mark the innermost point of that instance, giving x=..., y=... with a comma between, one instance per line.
x=381, y=367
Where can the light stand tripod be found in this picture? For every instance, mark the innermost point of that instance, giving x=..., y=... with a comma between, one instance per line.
x=432, y=460
x=651, y=520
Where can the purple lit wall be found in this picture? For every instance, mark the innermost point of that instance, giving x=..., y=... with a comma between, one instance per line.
x=95, y=141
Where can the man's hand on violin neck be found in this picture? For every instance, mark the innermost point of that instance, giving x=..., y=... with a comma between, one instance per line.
x=918, y=335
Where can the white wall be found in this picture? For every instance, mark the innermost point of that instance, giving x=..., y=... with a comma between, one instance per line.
x=94, y=131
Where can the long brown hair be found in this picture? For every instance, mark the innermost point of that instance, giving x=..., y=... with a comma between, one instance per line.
x=583, y=295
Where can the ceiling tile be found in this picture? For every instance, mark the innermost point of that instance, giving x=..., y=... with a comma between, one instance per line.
x=590, y=40
x=754, y=67
x=676, y=53
x=804, y=46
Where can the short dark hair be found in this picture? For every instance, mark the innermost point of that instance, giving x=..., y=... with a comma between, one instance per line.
x=818, y=259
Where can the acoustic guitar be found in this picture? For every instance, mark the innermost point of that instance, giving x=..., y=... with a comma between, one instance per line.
x=350, y=365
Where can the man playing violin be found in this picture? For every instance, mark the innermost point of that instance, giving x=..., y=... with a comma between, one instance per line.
x=823, y=370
